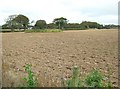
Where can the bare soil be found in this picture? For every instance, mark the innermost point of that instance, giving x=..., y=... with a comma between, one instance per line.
x=53, y=55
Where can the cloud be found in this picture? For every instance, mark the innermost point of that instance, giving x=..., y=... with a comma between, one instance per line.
x=104, y=11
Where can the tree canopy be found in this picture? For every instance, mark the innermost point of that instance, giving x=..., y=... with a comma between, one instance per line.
x=10, y=23
x=16, y=22
x=23, y=20
x=40, y=24
x=88, y=24
x=60, y=22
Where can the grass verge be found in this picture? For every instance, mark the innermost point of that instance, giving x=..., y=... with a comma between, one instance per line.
x=43, y=30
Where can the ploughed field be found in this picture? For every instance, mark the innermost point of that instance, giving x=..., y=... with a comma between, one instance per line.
x=53, y=55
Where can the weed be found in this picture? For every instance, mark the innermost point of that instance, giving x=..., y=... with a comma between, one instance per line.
x=109, y=74
x=74, y=81
x=94, y=79
x=30, y=80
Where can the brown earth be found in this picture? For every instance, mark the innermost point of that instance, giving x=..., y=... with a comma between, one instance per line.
x=53, y=55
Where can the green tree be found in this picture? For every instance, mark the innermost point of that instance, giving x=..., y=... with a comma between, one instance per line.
x=23, y=20
x=51, y=26
x=10, y=23
x=60, y=22
x=5, y=26
x=40, y=24
x=88, y=24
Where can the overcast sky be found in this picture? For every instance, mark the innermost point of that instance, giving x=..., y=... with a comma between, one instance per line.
x=76, y=11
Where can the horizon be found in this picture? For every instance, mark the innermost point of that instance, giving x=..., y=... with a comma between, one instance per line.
x=105, y=12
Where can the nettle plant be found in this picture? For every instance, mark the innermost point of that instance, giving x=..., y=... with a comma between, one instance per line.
x=30, y=80
x=93, y=79
x=74, y=81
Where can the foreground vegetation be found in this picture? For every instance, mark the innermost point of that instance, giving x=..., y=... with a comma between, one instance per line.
x=94, y=79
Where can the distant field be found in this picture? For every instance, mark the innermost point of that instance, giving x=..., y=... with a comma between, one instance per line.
x=53, y=55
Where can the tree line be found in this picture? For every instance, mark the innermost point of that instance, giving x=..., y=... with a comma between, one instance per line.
x=22, y=22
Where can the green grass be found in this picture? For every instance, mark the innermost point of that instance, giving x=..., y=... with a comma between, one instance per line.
x=42, y=30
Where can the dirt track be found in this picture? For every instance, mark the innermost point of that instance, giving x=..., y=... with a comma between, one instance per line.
x=53, y=55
